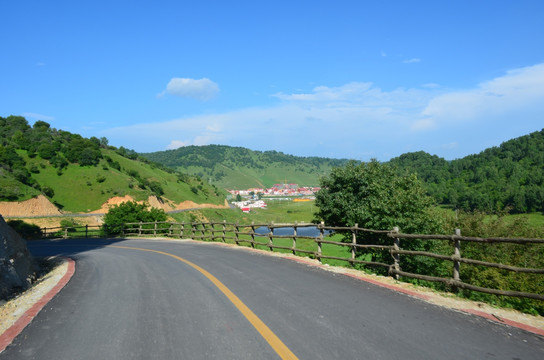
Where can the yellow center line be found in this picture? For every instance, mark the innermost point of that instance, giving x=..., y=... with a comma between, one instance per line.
x=276, y=344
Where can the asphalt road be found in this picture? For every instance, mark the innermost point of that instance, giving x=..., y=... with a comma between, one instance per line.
x=131, y=304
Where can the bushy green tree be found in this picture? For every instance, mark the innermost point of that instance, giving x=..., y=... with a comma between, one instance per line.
x=130, y=212
x=156, y=188
x=374, y=196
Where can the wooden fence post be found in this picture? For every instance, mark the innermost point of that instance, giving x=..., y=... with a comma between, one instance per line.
x=203, y=231
x=140, y=229
x=86, y=231
x=353, y=242
x=457, y=255
x=193, y=230
x=236, y=235
x=224, y=230
x=253, y=234
x=66, y=233
x=181, y=229
x=171, y=230
x=396, y=257
x=155, y=229
x=319, y=239
x=295, y=239
x=270, y=236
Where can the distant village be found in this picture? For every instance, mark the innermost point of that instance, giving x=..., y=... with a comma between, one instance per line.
x=253, y=197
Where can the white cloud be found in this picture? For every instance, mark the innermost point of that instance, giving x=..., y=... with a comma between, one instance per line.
x=451, y=145
x=423, y=124
x=214, y=127
x=520, y=90
x=358, y=119
x=201, y=89
x=412, y=61
x=431, y=86
x=36, y=116
x=175, y=144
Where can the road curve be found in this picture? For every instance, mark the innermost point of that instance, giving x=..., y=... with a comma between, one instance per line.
x=124, y=303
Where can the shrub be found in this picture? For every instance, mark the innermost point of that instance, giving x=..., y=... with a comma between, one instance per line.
x=130, y=212
x=47, y=191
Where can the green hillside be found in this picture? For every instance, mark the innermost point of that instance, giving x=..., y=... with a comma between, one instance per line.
x=510, y=176
x=507, y=177
x=79, y=174
x=240, y=168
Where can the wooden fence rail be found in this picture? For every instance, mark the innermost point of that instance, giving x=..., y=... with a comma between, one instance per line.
x=263, y=236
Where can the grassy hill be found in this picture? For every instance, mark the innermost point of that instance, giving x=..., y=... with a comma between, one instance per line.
x=81, y=182
x=240, y=168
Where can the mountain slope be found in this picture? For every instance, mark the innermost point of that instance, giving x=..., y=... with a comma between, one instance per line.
x=508, y=176
x=239, y=168
x=79, y=175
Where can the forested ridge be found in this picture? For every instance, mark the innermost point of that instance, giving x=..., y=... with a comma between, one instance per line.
x=509, y=176
x=506, y=177
x=238, y=167
x=80, y=174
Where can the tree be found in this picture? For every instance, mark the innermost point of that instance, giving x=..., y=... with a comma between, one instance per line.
x=104, y=142
x=374, y=196
x=130, y=212
x=156, y=188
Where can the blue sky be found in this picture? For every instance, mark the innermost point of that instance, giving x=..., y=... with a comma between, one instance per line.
x=342, y=79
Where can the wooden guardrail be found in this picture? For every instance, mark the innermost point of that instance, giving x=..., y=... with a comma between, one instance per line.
x=65, y=232
x=263, y=236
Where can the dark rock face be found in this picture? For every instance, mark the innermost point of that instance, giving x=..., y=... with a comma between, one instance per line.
x=16, y=264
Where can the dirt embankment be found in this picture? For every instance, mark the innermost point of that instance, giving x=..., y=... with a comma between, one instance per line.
x=41, y=206
x=38, y=206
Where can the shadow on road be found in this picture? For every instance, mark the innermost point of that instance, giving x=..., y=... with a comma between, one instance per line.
x=68, y=247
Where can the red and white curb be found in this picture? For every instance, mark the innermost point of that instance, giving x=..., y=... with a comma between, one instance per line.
x=7, y=337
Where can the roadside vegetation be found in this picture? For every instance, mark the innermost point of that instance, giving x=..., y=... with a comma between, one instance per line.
x=130, y=212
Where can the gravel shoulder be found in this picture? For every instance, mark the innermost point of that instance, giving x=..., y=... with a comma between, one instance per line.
x=16, y=307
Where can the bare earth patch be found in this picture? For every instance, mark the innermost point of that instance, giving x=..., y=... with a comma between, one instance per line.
x=38, y=206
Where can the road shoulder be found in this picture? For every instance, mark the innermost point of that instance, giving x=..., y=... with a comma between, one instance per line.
x=18, y=312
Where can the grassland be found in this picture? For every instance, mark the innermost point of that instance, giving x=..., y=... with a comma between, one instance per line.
x=85, y=188
x=239, y=168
